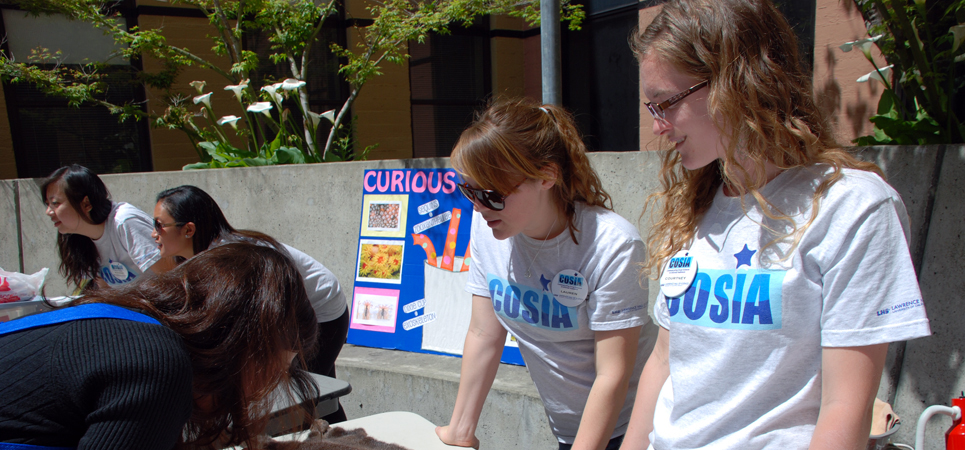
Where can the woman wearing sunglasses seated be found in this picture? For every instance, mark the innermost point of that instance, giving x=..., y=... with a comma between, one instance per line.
x=101, y=240
x=188, y=221
x=185, y=359
x=556, y=267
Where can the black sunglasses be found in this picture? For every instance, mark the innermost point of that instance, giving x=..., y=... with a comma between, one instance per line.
x=158, y=226
x=488, y=198
x=659, y=110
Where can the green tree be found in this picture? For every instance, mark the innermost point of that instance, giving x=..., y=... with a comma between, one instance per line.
x=271, y=133
x=922, y=42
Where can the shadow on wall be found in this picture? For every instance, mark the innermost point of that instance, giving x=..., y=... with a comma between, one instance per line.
x=932, y=369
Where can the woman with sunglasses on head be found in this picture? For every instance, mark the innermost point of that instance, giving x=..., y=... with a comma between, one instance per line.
x=186, y=359
x=101, y=240
x=776, y=249
x=188, y=221
x=555, y=266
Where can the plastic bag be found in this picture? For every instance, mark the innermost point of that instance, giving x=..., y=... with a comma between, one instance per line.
x=15, y=286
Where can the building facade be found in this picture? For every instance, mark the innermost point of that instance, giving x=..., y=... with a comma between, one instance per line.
x=416, y=109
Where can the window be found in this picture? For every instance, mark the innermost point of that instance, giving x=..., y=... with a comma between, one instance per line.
x=601, y=76
x=449, y=80
x=47, y=133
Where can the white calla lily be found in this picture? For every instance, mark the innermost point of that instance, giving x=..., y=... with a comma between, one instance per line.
x=316, y=118
x=290, y=84
x=877, y=75
x=862, y=44
x=206, y=99
x=272, y=91
x=330, y=115
x=261, y=107
x=230, y=120
x=199, y=85
x=958, y=33
x=238, y=88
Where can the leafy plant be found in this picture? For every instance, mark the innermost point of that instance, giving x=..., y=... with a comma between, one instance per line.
x=269, y=132
x=922, y=41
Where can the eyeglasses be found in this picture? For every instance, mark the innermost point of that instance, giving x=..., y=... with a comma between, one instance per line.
x=490, y=199
x=659, y=111
x=158, y=226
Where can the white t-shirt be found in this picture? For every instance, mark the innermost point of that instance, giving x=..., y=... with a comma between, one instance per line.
x=126, y=250
x=557, y=341
x=746, y=338
x=324, y=292
x=321, y=285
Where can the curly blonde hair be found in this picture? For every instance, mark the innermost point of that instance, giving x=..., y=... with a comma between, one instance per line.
x=515, y=139
x=761, y=98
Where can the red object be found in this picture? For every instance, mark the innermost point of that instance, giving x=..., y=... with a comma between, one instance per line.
x=955, y=437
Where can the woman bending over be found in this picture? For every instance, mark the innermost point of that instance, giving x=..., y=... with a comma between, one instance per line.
x=553, y=265
x=188, y=221
x=185, y=359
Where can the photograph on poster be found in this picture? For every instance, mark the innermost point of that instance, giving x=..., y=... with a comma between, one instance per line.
x=375, y=309
x=384, y=216
x=380, y=261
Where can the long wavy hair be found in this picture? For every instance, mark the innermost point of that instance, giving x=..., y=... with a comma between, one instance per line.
x=761, y=99
x=517, y=138
x=192, y=204
x=78, y=254
x=238, y=308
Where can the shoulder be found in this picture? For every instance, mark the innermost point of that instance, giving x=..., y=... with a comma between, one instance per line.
x=853, y=186
x=142, y=348
x=126, y=214
x=601, y=223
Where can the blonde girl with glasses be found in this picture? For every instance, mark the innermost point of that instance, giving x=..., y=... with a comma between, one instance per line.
x=556, y=267
x=783, y=260
x=98, y=239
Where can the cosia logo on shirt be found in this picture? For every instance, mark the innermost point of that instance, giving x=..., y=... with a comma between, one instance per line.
x=527, y=305
x=740, y=299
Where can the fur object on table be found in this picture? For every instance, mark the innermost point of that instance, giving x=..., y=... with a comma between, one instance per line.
x=334, y=438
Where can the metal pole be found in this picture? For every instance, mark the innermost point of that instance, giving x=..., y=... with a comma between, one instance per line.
x=549, y=34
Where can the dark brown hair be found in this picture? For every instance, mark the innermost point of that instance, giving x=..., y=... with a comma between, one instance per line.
x=237, y=308
x=192, y=204
x=78, y=254
x=517, y=138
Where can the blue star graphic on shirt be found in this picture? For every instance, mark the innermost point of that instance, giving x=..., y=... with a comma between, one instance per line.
x=744, y=256
x=545, y=282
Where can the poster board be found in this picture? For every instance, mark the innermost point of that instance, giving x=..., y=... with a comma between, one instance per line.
x=413, y=263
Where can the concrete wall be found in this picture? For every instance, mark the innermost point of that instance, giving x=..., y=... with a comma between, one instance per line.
x=316, y=208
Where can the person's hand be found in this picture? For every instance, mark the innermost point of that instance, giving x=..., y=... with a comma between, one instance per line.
x=448, y=437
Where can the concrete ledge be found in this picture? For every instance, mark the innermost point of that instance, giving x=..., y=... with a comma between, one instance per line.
x=388, y=380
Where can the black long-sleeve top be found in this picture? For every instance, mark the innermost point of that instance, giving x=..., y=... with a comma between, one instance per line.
x=95, y=384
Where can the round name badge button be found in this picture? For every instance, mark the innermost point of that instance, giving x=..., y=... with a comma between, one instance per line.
x=118, y=270
x=678, y=274
x=570, y=288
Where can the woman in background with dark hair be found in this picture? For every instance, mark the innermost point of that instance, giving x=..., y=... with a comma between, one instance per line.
x=188, y=221
x=216, y=336
x=101, y=240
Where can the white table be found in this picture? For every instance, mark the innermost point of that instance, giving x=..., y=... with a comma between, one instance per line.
x=403, y=428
